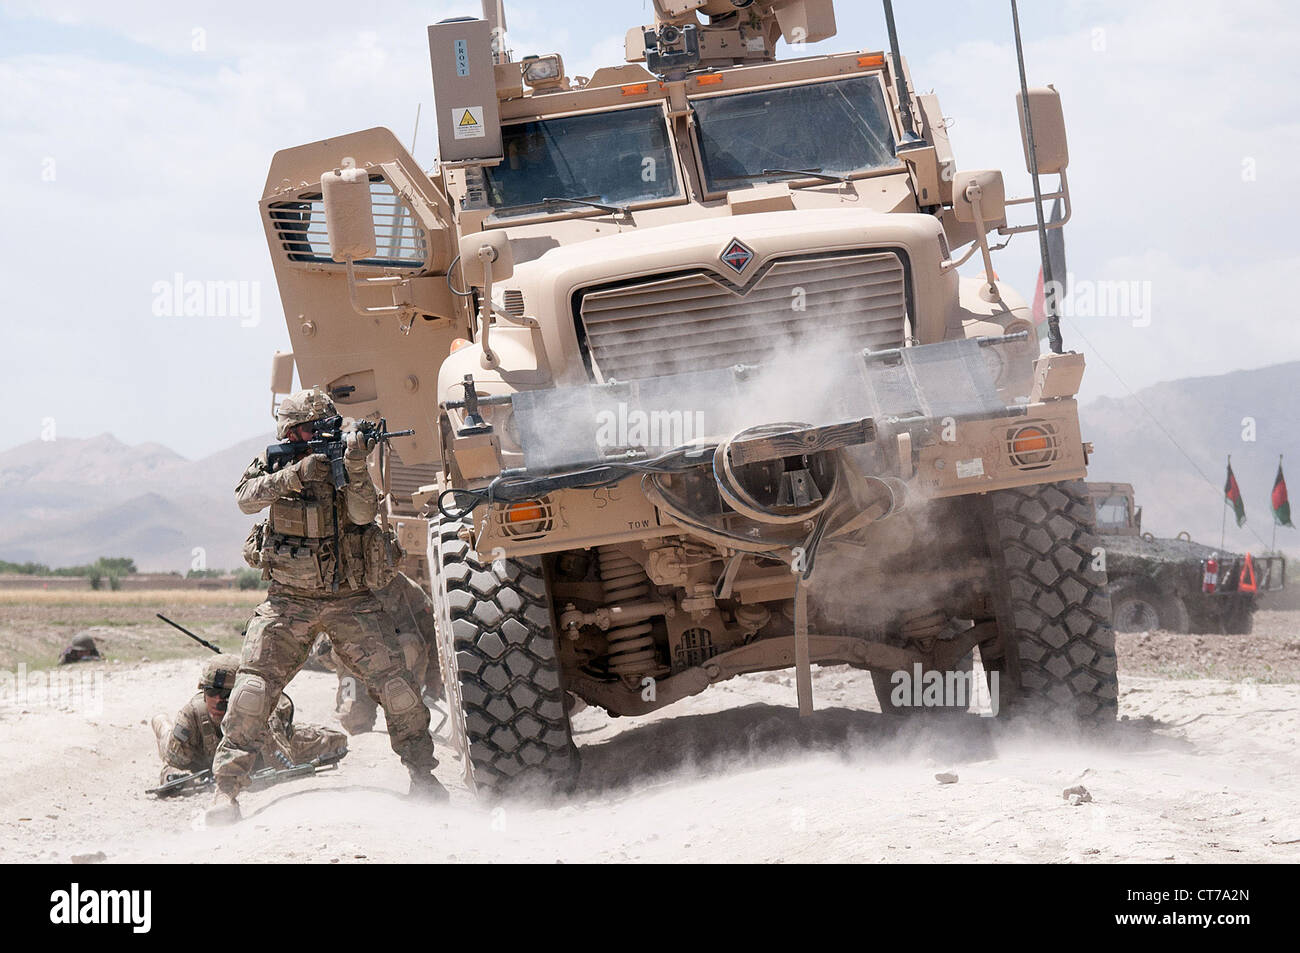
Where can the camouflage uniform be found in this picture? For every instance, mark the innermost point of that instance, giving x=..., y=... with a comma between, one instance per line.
x=315, y=540
x=412, y=609
x=190, y=743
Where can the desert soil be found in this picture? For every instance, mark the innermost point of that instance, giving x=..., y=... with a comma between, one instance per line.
x=1202, y=767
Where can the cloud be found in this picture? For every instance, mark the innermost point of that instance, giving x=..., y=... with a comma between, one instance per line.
x=158, y=153
x=1177, y=166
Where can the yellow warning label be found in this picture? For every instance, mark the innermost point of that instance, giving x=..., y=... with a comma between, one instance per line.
x=467, y=122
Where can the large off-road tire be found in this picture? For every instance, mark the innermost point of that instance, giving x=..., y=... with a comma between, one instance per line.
x=1052, y=607
x=1136, y=608
x=501, y=672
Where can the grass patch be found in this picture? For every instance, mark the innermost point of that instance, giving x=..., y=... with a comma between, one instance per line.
x=86, y=623
x=159, y=598
x=35, y=628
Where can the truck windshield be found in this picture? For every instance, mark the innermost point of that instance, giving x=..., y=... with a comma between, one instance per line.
x=616, y=158
x=1112, y=512
x=839, y=128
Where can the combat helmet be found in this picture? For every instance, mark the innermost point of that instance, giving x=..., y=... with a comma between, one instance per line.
x=302, y=408
x=82, y=648
x=219, y=673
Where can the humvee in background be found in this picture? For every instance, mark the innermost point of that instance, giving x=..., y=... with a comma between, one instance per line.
x=1175, y=584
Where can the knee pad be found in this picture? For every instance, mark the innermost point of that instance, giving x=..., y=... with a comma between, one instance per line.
x=398, y=696
x=247, y=714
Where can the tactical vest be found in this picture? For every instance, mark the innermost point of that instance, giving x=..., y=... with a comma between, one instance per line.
x=296, y=545
x=211, y=735
x=194, y=719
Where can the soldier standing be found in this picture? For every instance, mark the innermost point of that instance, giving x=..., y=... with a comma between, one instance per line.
x=324, y=554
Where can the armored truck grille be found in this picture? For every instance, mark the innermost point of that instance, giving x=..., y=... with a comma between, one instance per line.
x=677, y=323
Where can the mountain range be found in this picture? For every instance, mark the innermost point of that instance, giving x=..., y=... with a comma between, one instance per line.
x=69, y=501
x=1172, y=441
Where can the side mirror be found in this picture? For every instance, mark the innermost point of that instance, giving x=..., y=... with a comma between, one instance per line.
x=349, y=218
x=1045, y=113
x=471, y=262
x=282, y=372
x=987, y=183
x=484, y=258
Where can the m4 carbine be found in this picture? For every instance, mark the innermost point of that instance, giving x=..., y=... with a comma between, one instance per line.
x=330, y=439
x=186, y=782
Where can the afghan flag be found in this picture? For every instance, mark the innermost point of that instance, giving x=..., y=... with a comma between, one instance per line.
x=1281, y=505
x=1233, y=494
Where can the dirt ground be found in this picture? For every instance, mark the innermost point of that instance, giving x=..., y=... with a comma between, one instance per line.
x=1201, y=768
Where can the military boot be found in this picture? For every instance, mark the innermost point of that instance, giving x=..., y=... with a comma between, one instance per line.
x=426, y=787
x=223, y=810
x=162, y=732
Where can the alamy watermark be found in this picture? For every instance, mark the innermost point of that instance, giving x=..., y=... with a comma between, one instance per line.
x=179, y=298
x=68, y=689
x=1102, y=299
x=919, y=688
x=628, y=427
x=133, y=908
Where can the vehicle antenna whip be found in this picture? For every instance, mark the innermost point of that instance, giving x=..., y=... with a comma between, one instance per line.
x=910, y=138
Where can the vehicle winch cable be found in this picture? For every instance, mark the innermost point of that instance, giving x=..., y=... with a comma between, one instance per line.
x=680, y=514
x=740, y=500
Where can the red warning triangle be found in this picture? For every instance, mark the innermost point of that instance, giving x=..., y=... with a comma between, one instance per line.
x=1247, y=583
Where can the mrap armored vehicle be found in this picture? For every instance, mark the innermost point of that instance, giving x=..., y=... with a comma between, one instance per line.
x=1175, y=584
x=697, y=386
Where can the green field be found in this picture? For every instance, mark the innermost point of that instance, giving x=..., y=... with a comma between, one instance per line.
x=37, y=624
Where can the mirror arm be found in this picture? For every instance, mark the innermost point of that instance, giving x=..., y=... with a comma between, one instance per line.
x=973, y=195
x=386, y=281
x=1062, y=193
x=486, y=254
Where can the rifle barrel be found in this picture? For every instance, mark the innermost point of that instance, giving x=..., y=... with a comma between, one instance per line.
x=203, y=642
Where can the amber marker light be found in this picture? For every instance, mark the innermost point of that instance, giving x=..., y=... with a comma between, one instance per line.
x=524, y=512
x=1029, y=439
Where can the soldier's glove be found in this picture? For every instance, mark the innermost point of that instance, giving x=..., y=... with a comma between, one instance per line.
x=314, y=467
x=358, y=448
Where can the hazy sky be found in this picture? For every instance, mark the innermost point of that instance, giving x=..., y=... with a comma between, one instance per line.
x=137, y=138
